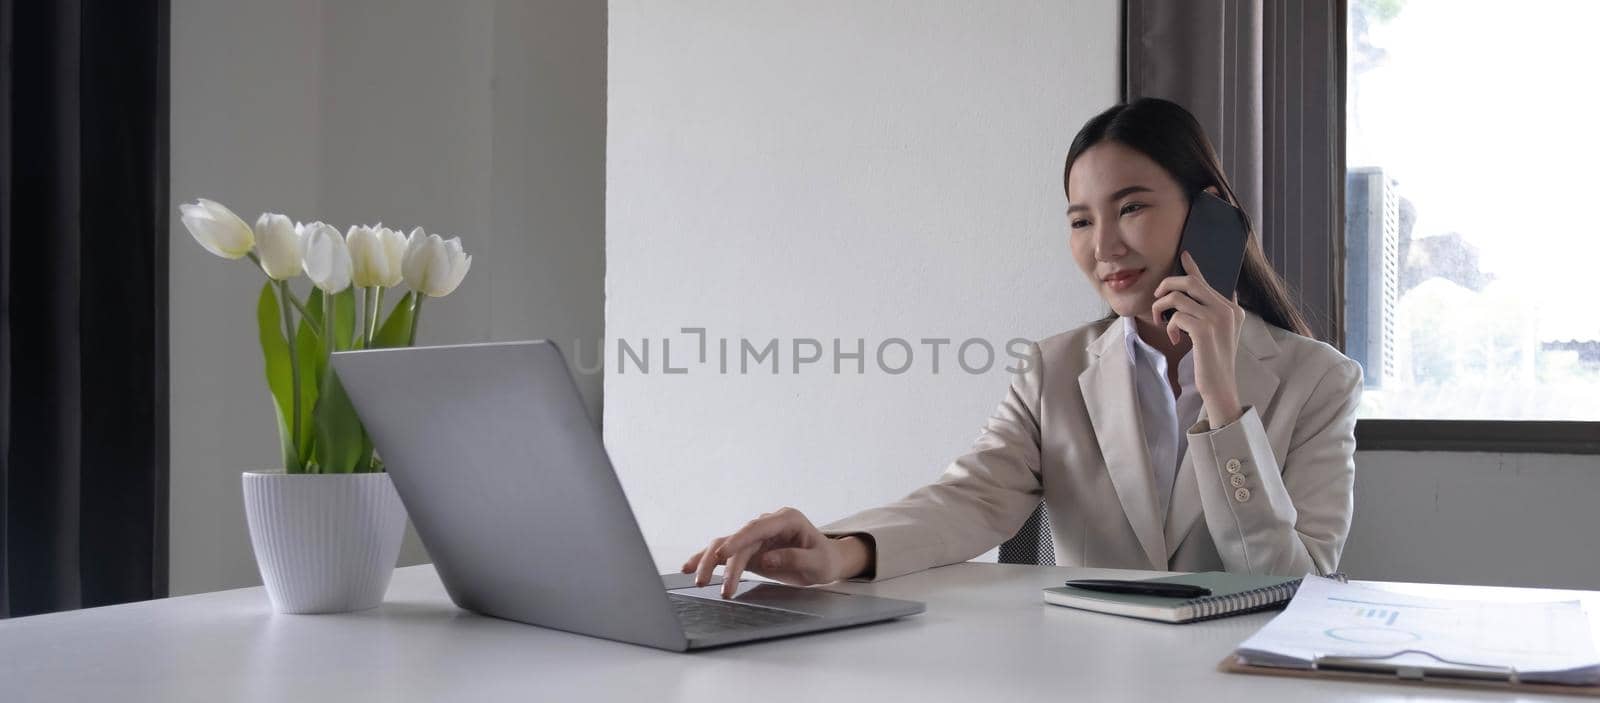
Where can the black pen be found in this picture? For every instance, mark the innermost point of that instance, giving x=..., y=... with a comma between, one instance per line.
x=1143, y=588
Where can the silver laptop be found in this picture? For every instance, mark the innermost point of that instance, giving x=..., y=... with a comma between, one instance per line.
x=511, y=491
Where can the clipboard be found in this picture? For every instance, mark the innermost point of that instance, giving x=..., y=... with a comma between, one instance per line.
x=1409, y=676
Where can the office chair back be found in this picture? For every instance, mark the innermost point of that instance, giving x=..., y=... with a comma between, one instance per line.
x=1032, y=543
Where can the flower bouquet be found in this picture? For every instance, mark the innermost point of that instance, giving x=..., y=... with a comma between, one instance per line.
x=327, y=526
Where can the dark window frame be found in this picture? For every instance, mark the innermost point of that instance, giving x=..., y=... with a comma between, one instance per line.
x=1498, y=436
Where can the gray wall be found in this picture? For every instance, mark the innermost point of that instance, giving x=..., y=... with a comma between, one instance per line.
x=1492, y=519
x=483, y=118
x=883, y=169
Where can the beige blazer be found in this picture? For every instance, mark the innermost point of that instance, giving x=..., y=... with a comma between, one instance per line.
x=1068, y=430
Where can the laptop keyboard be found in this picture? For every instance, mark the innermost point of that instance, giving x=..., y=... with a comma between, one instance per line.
x=703, y=616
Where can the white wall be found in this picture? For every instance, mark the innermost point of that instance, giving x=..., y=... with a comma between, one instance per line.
x=483, y=119
x=850, y=170
x=892, y=169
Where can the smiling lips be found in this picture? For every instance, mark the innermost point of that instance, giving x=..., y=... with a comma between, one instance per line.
x=1122, y=280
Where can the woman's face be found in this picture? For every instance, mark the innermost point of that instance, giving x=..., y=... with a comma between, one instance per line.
x=1125, y=214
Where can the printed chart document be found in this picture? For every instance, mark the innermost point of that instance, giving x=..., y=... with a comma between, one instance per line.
x=1343, y=626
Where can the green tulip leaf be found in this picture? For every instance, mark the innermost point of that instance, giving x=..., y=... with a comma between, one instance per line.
x=308, y=352
x=364, y=460
x=344, y=318
x=314, y=309
x=340, y=437
x=275, y=352
x=396, y=329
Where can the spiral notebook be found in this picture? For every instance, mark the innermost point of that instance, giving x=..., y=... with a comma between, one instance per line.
x=1231, y=594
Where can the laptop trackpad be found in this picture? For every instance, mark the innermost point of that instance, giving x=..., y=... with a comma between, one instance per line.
x=675, y=581
x=794, y=598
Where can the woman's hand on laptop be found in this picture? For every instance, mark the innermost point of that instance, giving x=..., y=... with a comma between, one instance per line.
x=783, y=546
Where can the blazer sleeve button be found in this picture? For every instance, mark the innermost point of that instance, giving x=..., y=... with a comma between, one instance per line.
x=1237, y=480
x=1241, y=495
x=1232, y=466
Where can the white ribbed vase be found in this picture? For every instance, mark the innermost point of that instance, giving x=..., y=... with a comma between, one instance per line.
x=325, y=543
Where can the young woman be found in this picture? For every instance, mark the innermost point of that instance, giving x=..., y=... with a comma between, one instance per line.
x=1221, y=440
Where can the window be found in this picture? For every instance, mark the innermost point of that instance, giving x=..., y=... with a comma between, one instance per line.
x=1472, y=216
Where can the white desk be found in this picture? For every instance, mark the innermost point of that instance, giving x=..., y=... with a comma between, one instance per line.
x=986, y=636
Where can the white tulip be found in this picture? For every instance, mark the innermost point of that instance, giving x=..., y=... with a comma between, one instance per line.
x=434, y=266
x=303, y=231
x=279, y=246
x=217, y=229
x=327, y=259
x=366, y=254
x=394, y=254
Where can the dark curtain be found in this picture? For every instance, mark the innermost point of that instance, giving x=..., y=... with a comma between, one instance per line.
x=1266, y=79
x=83, y=290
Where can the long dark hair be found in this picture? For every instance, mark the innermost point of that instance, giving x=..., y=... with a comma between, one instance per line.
x=1173, y=138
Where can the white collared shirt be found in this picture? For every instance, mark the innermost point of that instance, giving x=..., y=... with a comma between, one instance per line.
x=1162, y=417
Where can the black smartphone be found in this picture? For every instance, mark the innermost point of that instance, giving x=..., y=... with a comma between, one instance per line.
x=1214, y=235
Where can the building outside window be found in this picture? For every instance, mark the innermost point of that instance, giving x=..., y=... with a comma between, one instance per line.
x=1472, y=266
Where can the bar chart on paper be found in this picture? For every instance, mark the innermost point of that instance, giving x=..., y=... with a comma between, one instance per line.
x=1375, y=621
x=1387, y=614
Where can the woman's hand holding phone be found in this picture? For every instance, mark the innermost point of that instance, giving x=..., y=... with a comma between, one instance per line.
x=782, y=545
x=1213, y=324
